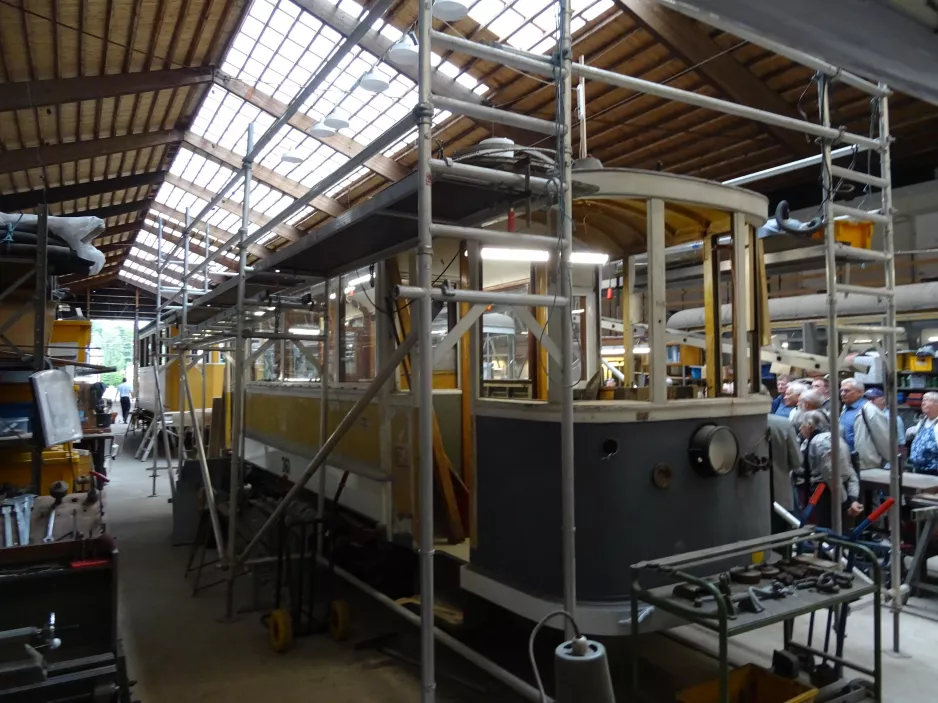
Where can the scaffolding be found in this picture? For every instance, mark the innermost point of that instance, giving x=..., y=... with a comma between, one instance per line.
x=230, y=324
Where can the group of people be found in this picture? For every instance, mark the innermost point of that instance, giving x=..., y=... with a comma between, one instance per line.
x=800, y=433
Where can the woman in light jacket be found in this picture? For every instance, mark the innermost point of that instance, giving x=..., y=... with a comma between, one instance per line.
x=817, y=468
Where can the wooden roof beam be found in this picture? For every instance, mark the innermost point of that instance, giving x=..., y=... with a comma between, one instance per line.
x=14, y=202
x=37, y=157
x=258, y=218
x=117, y=230
x=709, y=59
x=378, y=44
x=346, y=146
x=218, y=234
x=194, y=247
x=25, y=95
x=112, y=210
x=213, y=152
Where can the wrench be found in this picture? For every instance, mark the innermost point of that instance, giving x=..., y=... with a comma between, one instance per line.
x=58, y=491
x=7, y=526
x=22, y=507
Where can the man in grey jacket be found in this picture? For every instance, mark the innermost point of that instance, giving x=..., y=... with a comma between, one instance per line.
x=865, y=427
x=786, y=458
x=818, y=468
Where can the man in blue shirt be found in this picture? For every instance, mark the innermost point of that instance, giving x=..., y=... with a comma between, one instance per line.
x=851, y=395
x=781, y=382
x=124, y=391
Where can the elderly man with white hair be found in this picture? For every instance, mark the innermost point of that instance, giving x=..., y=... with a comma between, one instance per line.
x=864, y=427
x=810, y=400
x=790, y=400
x=923, y=455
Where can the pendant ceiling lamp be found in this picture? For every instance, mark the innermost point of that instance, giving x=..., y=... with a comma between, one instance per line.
x=337, y=119
x=450, y=10
x=321, y=130
x=374, y=82
x=405, y=50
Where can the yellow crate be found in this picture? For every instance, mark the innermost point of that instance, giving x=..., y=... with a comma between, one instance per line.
x=58, y=464
x=855, y=234
x=920, y=363
x=750, y=684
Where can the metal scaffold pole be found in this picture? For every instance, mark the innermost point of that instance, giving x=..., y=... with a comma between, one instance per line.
x=323, y=412
x=889, y=372
x=833, y=346
x=237, y=397
x=182, y=357
x=563, y=79
x=423, y=114
x=159, y=419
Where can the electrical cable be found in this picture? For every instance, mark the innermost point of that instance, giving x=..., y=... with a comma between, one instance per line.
x=531, y=638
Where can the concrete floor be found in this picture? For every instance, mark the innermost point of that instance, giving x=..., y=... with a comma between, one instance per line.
x=179, y=649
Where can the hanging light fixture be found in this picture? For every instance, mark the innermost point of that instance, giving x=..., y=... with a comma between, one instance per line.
x=450, y=10
x=405, y=50
x=321, y=130
x=374, y=82
x=292, y=157
x=337, y=119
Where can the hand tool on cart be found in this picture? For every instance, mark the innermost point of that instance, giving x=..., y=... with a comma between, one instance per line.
x=58, y=491
x=7, y=525
x=22, y=507
x=871, y=518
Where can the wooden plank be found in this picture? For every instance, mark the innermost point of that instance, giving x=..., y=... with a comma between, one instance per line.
x=213, y=152
x=258, y=218
x=217, y=235
x=14, y=202
x=30, y=94
x=442, y=465
x=112, y=210
x=347, y=146
x=708, y=58
x=36, y=157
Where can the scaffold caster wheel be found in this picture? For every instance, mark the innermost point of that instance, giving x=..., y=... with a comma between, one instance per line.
x=339, y=614
x=280, y=630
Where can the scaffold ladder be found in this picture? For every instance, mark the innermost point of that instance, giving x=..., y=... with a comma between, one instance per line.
x=838, y=254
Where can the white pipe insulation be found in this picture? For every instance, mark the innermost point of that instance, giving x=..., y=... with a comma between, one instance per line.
x=913, y=297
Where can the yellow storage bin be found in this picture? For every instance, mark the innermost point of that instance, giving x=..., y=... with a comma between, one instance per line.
x=855, y=234
x=750, y=684
x=920, y=363
x=58, y=464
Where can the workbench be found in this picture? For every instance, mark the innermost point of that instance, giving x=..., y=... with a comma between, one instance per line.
x=911, y=483
x=780, y=610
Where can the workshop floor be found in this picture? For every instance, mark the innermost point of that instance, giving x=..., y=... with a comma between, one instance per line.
x=180, y=650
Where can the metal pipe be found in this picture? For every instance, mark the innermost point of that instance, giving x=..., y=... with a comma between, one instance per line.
x=519, y=686
x=750, y=113
x=351, y=41
x=862, y=215
x=453, y=295
x=613, y=370
x=490, y=175
x=492, y=114
x=376, y=147
x=496, y=237
x=323, y=416
x=854, y=176
x=206, y=477
x=563, y=79
x=423, y=365
x=792, y=166
x=833, y=339
x=525, y=61
x=40, y=296
x=237, y=396
x=183, y=358
x=891, y=383
x=738, y=30
x=369, y=393
x=279, y=336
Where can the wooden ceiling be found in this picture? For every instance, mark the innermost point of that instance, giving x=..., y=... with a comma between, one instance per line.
x=96, y=99
x=100, y=94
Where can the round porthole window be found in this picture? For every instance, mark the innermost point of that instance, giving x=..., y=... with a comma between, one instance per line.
x=714, y=450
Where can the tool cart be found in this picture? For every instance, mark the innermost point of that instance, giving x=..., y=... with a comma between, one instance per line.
x=739, y=599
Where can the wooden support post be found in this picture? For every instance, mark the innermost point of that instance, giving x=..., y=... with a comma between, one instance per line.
x=712, y=320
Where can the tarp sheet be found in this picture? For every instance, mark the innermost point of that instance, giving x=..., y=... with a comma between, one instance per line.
x=871, y=38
